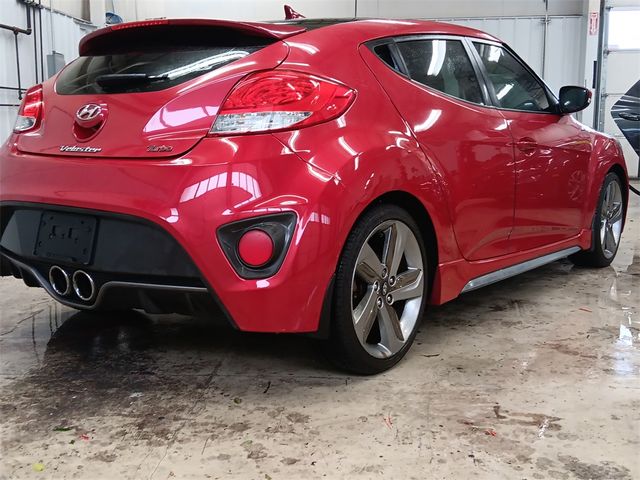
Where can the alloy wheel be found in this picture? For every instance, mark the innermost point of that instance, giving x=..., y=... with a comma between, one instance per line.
x=611, y=219
x=387, y=289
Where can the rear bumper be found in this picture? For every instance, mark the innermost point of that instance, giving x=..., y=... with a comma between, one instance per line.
x=113, y=294
x=134, y=263
x=187, y=199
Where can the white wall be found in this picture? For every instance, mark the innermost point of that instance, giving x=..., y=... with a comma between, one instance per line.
x=526, y=35
x=89, y=10
x=67, y=32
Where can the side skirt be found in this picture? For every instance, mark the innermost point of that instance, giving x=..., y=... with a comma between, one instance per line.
x=513, y=270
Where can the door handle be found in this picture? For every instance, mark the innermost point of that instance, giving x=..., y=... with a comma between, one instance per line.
x=634, y=117
x=527, y=145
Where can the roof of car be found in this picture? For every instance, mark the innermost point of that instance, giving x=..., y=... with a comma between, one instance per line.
x=377, y=27
x=313, y=23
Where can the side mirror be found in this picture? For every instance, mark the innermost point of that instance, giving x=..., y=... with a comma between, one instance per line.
x=574, y=99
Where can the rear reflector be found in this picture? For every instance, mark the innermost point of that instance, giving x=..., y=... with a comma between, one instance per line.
x=255, y=248
x=30, y=113
x=269, y=101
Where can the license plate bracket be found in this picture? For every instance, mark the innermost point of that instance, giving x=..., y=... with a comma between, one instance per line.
x=66, y=237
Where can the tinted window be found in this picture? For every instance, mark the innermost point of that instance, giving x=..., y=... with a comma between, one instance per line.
x=155, y=71
x=384, y=52
x=154, y=58
x=443, y=65
x=515, y=86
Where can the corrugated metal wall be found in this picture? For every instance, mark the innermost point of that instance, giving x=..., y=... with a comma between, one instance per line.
x=67, y=32
x=272, y=9
x=560, y=64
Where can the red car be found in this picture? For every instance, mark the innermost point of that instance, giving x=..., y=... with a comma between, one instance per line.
x=312, y=176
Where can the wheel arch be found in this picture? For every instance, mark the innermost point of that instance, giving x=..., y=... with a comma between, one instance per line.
x=606, y=157
x=420, y=214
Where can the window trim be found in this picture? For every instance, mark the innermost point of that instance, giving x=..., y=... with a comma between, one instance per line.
x=551, y=98
x=393, y=47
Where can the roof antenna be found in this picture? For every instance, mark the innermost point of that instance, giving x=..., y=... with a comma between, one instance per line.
x=290, y=13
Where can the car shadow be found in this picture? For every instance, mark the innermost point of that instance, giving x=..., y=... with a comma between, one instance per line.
x=132, y=342
x=135, y=342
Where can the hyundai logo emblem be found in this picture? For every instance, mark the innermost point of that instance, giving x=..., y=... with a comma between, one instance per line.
x=90, y=115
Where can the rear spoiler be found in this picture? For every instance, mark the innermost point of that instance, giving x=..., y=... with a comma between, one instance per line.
x=95, y=40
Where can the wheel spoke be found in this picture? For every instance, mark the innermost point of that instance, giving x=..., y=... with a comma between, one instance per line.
x=395, y=239
x=364, y=314
x=610, y=240
x=408, y=285
x=391, y=336
x=615, y=212
x=368, y=266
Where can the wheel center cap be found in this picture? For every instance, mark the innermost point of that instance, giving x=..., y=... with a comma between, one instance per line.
x=385, y=288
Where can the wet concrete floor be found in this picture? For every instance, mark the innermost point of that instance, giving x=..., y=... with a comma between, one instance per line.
x=536, y=377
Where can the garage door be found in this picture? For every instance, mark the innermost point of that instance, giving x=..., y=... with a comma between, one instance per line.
x=621, y=71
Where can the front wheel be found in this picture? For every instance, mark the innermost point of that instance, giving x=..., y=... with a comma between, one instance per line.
x=380, y=292
x=607, y=226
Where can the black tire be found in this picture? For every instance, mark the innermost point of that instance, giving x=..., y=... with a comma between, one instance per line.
x=343, y=348
x=598, y=256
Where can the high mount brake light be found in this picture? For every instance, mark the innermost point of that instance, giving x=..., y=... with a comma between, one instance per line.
x=30, y=113
x=142, y=23
x=277, y=100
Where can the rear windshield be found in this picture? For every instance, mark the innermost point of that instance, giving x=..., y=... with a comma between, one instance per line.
x=154, y=59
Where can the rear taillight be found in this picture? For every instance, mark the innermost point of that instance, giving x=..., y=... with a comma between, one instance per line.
x=269, y=101
x=30, y=113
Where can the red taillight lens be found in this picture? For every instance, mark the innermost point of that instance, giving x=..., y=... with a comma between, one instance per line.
x=30, y=113
x=269, y=101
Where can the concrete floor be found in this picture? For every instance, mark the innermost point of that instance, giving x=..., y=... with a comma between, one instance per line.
x=536, y=377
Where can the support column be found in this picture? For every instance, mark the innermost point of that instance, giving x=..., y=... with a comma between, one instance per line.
x=592, y=25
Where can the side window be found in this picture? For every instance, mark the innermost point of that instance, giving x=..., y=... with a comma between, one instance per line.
x=515, y=87
x=443, y=65
x=384, y=52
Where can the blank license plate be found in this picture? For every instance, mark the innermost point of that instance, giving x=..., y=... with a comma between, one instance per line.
x=66, y=237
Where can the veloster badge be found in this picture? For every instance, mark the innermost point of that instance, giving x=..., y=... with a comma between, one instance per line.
x=77, y=149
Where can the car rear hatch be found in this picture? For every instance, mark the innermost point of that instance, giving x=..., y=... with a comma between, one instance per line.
x=150, y=89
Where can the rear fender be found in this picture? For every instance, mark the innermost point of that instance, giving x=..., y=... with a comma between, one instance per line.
x=606, y=156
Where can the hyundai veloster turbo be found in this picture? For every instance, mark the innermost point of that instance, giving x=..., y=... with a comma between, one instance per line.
x=312, y=176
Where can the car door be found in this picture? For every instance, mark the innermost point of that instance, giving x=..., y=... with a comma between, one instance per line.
x=436, y=89
x=551, y=150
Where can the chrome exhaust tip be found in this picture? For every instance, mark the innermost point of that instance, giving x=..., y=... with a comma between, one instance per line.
x=83, y=285
x=59, y=280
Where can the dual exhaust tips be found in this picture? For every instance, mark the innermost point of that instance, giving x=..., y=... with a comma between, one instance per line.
x=81, y=283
